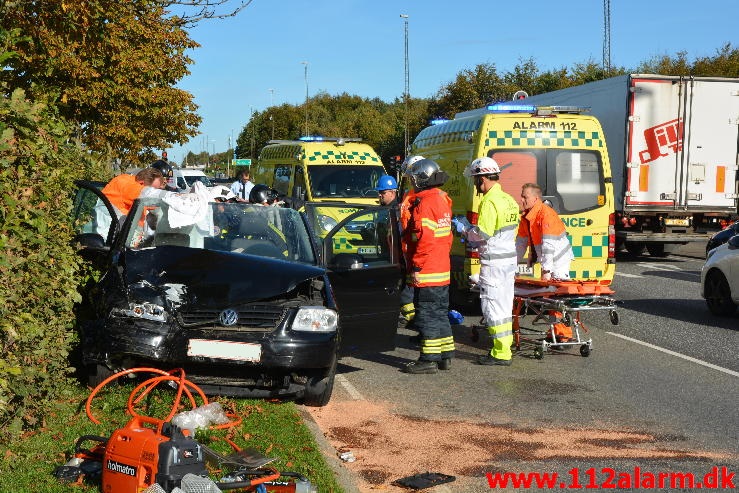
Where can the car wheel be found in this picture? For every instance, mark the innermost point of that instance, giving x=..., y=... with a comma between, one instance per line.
x=718, y=295
x=96, y=373
x=318, y=389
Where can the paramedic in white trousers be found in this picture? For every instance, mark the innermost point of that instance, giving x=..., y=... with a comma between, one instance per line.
x=495, y=238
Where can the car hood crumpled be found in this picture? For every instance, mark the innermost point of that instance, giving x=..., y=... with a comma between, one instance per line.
x=214, y=278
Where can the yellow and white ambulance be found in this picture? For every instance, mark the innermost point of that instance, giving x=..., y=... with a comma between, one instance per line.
x=324, y=169
x=560, y=148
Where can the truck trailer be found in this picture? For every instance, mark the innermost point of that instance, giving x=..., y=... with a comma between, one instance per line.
x=673, y=144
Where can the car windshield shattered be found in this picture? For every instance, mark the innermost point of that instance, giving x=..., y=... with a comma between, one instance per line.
x=274, y=232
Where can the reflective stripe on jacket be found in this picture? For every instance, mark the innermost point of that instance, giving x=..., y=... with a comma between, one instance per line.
x=429, y=237
x=542, y=229
x=498, y=220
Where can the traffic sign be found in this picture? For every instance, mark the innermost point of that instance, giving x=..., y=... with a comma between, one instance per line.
x=241, y=162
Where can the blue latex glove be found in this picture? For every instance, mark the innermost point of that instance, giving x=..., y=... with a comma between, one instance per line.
x=461, y=224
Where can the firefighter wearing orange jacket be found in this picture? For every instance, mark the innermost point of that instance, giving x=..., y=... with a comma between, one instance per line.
x=428, y=239
x=407, y=310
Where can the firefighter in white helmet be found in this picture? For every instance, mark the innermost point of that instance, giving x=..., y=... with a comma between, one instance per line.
x=495, y=237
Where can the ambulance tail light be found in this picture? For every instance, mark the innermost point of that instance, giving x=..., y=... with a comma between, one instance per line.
x=611, y=238
x=468, y=251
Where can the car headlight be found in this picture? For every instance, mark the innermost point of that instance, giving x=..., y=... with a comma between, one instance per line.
x=315, y=319
x=147, y=311
x=327, y=222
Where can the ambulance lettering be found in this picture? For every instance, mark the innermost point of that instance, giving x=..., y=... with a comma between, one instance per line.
x=529, y=125
x=121, y=468
x=574, y=222
x=661, y=139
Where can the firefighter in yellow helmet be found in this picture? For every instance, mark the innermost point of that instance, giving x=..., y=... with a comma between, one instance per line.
x=495, y=237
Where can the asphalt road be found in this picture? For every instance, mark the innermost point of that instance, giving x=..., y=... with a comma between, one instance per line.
x=669, y=370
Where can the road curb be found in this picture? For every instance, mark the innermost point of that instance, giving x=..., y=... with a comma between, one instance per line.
x=343, y=476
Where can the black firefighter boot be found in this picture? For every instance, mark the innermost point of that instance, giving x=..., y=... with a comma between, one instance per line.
x=421, y=366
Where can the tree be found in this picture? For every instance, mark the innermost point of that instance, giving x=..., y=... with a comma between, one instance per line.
x=470, y=89
x=112, y=66
x=724, y=64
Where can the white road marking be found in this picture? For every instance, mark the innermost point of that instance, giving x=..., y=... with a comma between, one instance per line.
x=673, y=353
x=351, y=389
x=624, y=274
x=666, y=267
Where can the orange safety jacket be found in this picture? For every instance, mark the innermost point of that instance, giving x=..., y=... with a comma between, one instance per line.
x=122, y=190
x=543, y=231
x=405, y=209
x=428, y=237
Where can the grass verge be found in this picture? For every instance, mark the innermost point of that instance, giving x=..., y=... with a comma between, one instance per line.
x=273, y=429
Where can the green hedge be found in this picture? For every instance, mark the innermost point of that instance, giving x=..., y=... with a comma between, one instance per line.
x=39, y=270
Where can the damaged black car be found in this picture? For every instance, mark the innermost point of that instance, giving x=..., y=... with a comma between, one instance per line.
x=247, y=299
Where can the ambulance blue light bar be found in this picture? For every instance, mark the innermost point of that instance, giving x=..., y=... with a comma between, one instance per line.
x=311, y=138
x=438, y=121
x=512, y=108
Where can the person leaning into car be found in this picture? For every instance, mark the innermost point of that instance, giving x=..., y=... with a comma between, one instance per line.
x=123, y=189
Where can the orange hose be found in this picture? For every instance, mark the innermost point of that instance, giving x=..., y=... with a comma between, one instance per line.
x=177, y=374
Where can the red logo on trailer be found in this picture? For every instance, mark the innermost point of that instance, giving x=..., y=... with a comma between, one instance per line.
x=662, y=139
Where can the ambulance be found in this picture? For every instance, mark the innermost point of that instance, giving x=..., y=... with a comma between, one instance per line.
x=561, y=148
x=324, y=169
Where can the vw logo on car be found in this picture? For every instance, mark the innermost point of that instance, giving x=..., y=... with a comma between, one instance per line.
x=228, y=317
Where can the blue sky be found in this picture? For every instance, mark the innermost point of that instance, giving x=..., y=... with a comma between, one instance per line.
x=254, y=60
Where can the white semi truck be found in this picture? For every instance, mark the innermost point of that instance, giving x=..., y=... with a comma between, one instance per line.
x=673, y=144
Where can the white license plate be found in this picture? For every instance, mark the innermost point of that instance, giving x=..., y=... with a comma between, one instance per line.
x=239, y=351
x=367, y=250
x=525, y=270
x=676, y=222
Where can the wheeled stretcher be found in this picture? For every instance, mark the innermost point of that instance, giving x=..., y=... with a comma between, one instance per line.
x=558, y=305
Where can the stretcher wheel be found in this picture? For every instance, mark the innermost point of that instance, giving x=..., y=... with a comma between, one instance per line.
x=614, y=317
x=538, y=353
x=584, y=350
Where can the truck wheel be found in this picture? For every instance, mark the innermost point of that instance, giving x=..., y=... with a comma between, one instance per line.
x=661, y=249
x=635, y=247
x=718, y=295
x=318, y=389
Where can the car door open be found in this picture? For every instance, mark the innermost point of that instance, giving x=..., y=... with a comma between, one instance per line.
x=364, y=260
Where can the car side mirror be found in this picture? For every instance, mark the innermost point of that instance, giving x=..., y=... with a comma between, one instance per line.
x=91, y=241
x=734, y=242
x=346, y=261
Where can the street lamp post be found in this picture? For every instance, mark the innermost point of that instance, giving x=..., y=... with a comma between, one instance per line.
x=271, y=106
x=406, y=93
x=306, y=96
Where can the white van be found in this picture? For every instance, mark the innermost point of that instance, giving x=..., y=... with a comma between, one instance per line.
x=183, y=179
